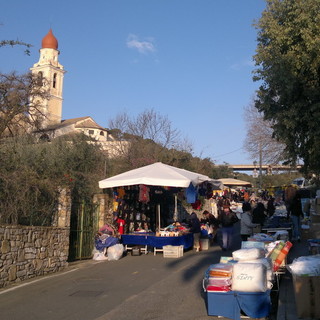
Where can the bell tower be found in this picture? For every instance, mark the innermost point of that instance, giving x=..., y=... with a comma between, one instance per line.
x=50, y=72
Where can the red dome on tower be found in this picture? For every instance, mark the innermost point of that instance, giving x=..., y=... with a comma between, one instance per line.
x=50, y=41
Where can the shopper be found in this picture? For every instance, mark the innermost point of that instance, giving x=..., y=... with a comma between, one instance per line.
x=213, y=224
x=227, y=219
x=195, y=228
x=210, y=219
x=289, y=195
x=258, y=215
x=271, y=207
x=296, y=215
x=246, y=229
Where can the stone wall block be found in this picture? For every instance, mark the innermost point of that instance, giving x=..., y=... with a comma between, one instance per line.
x=38, y=264
x=30, y=250
x=28, y=244
x=42, y=255
x=6, y=235
x=38, y=243
x=21, y=254
x=5, y=246
x=12, y=273
x=29, y=256
x=22, y=274
x=14, y=245
x=30, y=234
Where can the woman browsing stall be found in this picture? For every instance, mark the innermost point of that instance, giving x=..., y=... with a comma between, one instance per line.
x=246, y=229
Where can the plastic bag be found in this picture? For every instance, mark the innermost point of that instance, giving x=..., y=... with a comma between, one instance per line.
x=115, y=252
x=99, y=255
x=220, y=270
x=305, y=266
x=248, y=254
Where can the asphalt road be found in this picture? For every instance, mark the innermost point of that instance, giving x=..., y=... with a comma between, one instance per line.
x=141, y=287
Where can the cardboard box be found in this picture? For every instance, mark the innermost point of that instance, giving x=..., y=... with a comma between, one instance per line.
x=314, y=231
x=315, y=218
x=305, y=234
x=307, y=294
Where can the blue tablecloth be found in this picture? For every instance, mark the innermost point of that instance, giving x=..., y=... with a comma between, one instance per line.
x=158, y=242
x=229, y=304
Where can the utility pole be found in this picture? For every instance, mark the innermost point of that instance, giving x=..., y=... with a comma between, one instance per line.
x=260, y=166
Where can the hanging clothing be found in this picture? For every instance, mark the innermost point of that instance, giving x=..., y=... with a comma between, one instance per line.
x=191, y=194
x=121, y=192
x=121, y=223
x=144, y=193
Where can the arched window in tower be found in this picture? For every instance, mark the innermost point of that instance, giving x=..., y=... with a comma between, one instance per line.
x=40, y=78
x=54, y=82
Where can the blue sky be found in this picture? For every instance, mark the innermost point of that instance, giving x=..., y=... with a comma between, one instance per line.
x=189, y=60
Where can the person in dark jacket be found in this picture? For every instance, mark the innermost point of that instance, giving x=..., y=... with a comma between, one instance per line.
x=212, y=222
x=296, y=215
x=195, y=228
x=258, y=214
x=271, y=207
x=227, y=219
x=210, y=219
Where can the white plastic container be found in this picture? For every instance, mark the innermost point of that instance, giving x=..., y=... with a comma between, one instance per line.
x=172, y=251
x=204, y=244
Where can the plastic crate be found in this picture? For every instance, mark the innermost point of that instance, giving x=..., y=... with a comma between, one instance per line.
x=172, y=251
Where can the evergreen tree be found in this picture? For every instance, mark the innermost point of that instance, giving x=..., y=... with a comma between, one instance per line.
x=288, y=66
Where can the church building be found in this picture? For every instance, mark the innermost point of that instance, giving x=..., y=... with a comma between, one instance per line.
x=51, y=73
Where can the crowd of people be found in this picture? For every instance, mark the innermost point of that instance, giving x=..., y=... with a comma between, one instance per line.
x=219, y=224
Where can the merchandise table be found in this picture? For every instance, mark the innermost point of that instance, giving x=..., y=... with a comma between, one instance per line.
x=274, y=230
x=229, y=304
x=157, y=242
x=130, y=240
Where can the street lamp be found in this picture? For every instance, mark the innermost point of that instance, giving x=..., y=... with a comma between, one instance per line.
x=255, y=172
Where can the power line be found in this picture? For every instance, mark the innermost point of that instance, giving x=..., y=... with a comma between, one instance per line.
x=220, y=155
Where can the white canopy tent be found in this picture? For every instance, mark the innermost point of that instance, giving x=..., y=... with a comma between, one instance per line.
x=159, y=174
x=235, y=182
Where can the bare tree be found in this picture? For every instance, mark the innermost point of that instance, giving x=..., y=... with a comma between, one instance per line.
x=12, y=43
x=20, y=103
x=151, y=138
x=148, y=125
x=259, y=142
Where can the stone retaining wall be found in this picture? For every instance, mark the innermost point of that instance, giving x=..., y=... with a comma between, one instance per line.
x=27, y=252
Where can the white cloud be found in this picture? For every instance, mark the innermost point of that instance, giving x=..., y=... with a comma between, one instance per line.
x=144, y=47
x=243, y=64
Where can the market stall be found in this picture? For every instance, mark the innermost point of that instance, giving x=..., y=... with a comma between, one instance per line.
x=243, y=283
x=229, y=182
x=146, y=199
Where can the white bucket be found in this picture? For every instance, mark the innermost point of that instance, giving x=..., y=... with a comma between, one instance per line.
x=204, y=244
